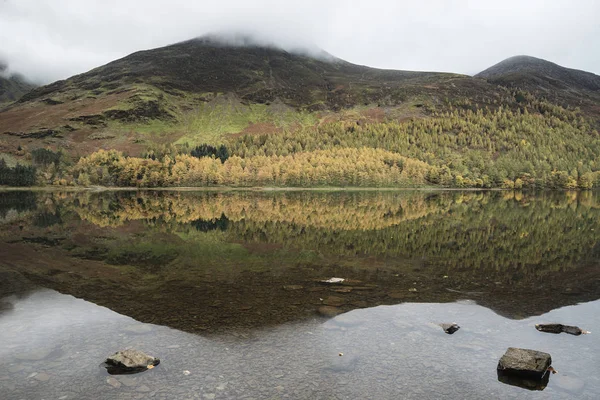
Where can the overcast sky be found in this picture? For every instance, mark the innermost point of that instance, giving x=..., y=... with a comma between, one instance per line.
x=53, y=39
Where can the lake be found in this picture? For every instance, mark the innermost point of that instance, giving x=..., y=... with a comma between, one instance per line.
x=229, y=289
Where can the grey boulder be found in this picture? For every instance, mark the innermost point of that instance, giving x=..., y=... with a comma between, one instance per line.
x=130, y=362
x=524, y=363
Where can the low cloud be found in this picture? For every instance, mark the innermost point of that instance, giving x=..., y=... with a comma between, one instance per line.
x=48, y=40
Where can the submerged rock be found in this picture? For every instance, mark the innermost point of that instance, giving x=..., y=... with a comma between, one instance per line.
x=524, y=363
x=450, y=328
x=559, y=328
x=130, y=362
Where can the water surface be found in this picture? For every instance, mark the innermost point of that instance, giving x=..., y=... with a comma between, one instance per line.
x=227, y=286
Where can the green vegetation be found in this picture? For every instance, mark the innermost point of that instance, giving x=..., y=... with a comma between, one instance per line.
x=273, y=118
x=19, y=175
x=535, y=144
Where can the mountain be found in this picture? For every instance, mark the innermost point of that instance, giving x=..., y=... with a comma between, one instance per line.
x=12, y=87
x=272, y=117
x=545, y=78
x=169, y=85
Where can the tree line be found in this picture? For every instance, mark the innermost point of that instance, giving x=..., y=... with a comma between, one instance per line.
x=533, y=145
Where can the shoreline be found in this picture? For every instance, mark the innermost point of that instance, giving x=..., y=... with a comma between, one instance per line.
x=233, y=188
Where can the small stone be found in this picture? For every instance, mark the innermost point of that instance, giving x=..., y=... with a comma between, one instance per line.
x=42, y=377
x=209, y=396
x=186, y=373
x=113, y=382
x=524, y=363
x=143, y=389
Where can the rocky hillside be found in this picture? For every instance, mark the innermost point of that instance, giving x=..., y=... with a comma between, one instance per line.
x=12, y=87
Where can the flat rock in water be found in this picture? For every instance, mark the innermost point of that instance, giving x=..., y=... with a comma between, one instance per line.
x=524, y=363
x=559, y=328
x=130, y=362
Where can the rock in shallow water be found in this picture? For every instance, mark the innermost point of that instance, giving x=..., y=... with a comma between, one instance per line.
x=129, y=362
x=559, y=328
x=524, y=363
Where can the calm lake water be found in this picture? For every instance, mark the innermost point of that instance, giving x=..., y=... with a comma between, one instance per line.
x=226, y=289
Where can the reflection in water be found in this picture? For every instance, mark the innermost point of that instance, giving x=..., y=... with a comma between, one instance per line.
x=211, y=261
x=245, y=271
x=529, y=384
x=52, y=346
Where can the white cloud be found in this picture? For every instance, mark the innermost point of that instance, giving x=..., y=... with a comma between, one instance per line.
x=54, y=39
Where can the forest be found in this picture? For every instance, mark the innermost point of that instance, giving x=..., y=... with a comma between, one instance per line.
x=533, y=145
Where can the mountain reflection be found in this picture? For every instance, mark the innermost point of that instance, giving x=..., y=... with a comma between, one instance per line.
x=207, y=261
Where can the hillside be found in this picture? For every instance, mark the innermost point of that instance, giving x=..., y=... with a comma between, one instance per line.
x=270, y=117
x=179, y=88
x=547, y=79
x=12, y=87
